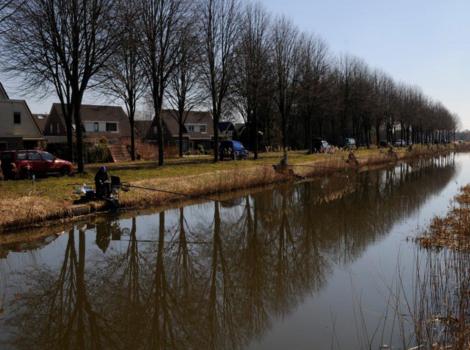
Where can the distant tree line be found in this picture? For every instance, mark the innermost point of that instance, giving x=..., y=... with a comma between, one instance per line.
x=230, y=56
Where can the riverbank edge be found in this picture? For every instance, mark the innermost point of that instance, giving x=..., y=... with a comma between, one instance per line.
x=202, y=187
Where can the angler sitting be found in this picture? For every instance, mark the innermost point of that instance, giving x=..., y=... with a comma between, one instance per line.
x=102, y=184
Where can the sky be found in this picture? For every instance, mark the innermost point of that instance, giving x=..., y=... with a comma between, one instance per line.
x=419, y=42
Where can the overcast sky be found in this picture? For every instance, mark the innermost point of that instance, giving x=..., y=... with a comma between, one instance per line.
x=420, y=42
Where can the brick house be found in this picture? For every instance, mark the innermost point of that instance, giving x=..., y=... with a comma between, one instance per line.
x=198, y=131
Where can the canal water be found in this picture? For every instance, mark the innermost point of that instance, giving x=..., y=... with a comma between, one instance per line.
x=315, y=265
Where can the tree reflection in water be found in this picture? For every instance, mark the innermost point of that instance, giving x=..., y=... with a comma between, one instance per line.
x=213, y=283
x=57, y=311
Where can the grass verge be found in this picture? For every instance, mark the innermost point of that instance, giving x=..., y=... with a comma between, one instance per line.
x=24, y=203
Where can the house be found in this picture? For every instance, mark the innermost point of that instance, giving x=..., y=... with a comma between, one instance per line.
x=41, y=120
x=226, y=131
x=108, y=124
x=100, y=123
x=19, y=129
x=198, y=131
x=231, y=131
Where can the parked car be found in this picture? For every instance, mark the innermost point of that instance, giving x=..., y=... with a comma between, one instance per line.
x=23, y=164
x=321, y=146
x=399, y=143
x=232, y=150
x=349, y=143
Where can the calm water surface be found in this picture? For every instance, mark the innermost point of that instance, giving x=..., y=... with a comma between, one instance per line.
x=310, y=266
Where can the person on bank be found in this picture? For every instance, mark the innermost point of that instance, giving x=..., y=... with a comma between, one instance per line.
x=102, y=184
x=7, y=169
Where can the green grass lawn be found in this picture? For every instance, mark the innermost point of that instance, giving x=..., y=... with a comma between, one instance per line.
x=25, y=201
x=61, y=188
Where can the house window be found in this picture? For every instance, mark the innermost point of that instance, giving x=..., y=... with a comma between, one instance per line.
x=96, y=127
x=111, y=127
x=190, y=128
x=51, y=128
x=155, y=130
x=17, y=117
x=203, y=128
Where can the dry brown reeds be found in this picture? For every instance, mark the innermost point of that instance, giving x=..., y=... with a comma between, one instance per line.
x=31, y=208
x=187, y=187
x=453, y=230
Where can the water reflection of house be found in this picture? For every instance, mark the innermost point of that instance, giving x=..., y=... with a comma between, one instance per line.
x=198, y=130
x=19, y=129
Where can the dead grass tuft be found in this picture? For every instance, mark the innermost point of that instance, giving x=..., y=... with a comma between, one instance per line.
x=197, y=186
x=29, y=209
x=453, y=230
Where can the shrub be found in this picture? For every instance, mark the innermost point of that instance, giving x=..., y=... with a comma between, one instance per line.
x=99, y=153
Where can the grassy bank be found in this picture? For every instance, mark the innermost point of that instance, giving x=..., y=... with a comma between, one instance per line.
x=23, y=203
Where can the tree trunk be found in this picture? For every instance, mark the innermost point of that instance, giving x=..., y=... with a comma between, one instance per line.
x=377, y=133
x=157, y=106
x=132, y=124
x=310, y=135
x=79, y=134
x=69, y=132
x=180, y=134
x=67, y=112
x=161, y=159
x=216, y=137
x=255, y=121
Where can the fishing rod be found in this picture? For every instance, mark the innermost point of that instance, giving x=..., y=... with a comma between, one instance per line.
x=126, y=185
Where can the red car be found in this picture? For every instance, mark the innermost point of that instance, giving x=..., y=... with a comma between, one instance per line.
x=23, y=164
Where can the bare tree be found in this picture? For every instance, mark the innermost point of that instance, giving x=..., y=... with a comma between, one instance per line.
x=123, y=77
x=36, y=62
x=184, y=92
x=253, y=67
x=285, y=41
x=313, y=70
x=161, y=22
x=64, y=43
x=7, y=9
x=220, y=29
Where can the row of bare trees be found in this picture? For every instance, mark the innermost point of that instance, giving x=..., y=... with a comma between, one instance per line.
x=229, y=56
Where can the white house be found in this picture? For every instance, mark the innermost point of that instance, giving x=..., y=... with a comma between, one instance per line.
x=18, y=128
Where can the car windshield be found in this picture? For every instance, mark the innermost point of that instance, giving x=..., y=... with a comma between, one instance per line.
x=47, y=156
x=34, y=156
